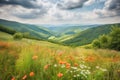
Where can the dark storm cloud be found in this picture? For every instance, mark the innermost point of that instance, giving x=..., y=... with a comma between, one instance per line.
x=113, y=5
x=70, y=4
x=111, y=8
x=24, y=3
x=25, y=9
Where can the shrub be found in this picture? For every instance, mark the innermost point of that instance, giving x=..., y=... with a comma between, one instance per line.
x=96, y=43
x=18, y=36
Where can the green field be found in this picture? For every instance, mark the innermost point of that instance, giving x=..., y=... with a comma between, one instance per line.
x=28, y=59
x=40, y=60
x=5, y=36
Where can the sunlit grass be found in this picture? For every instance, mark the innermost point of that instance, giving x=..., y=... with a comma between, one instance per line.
x=40, y=60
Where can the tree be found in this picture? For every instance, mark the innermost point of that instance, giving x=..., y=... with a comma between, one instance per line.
x=96, y=43
x=104, y=41
x=18, y=36
x=115, y=38
x=111, y=41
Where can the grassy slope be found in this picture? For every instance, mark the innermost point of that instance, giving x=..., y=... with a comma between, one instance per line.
x=87, y=36
x=66, y=32
x=34, y=30
x=41, y=58
x=5, y=36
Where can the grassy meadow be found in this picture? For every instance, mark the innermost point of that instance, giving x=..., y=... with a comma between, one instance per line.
x=40, y=60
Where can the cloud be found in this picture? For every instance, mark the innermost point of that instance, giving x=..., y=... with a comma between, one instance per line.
x=28, y=13
x=89, y=2
x=71, y=4
x=112, y=5
x=111, y=8
x=24, y=3
x=60, y=11
x=26, y=9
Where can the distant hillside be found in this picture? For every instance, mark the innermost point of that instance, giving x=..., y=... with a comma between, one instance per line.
x=69, y=29
x=34, y=30
x=87, y=36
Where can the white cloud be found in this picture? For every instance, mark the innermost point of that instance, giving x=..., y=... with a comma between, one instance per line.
x=89, y=2
x=49, y=12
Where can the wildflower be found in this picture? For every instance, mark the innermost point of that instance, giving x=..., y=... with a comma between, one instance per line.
x=74, y=75
x=62, y=62
x=60, y=53
x=46, y=66
x=116, y=59
x=90, y=59
x=59, y=74
x=103, y=69
x=24, y=77
x=34, y=57
x=81, y=66
x=13, y=78
x=75, y=64
x=74, y=67
x=71, y=58
x=55, y=65
x=87, y=72
x=71, y=71
x=32, y=74
x=78, y=75
x=63, y=66
x=97, y=67
x=118, y=71
x=67, y=65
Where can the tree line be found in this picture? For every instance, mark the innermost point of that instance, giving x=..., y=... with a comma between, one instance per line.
x=110, y=41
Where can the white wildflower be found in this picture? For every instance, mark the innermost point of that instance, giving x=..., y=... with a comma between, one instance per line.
x=97, y=67
x=74, y=76
x=78, y=75
x=74, y=67
x=55, y=65
x=62, y=66
x=103, y=69
x=71, y=71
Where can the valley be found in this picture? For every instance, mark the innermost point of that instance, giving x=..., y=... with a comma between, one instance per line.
x=56, y=56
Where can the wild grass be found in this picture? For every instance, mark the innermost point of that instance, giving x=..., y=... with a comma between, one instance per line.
x=40, y=60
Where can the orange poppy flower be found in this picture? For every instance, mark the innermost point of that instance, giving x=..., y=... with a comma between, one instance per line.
x=90, y=59
x=59, y=74
x=62, y=62
x=13, y=78
x=60, y=53
x=24, y=77
x=116, y=59
x=75, y=64
x=34, y=57
x=46, y=66
x=67, y=65
x=32, y=74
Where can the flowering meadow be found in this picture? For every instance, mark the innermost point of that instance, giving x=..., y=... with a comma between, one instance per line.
x=40, y=60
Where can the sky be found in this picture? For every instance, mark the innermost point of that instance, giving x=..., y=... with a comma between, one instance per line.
x=61, y=11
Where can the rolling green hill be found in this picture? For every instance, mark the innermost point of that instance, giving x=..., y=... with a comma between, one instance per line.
x=87, y=36
x=67, y=31
x=5, y=36
x=63, y=30
x=34, y=30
